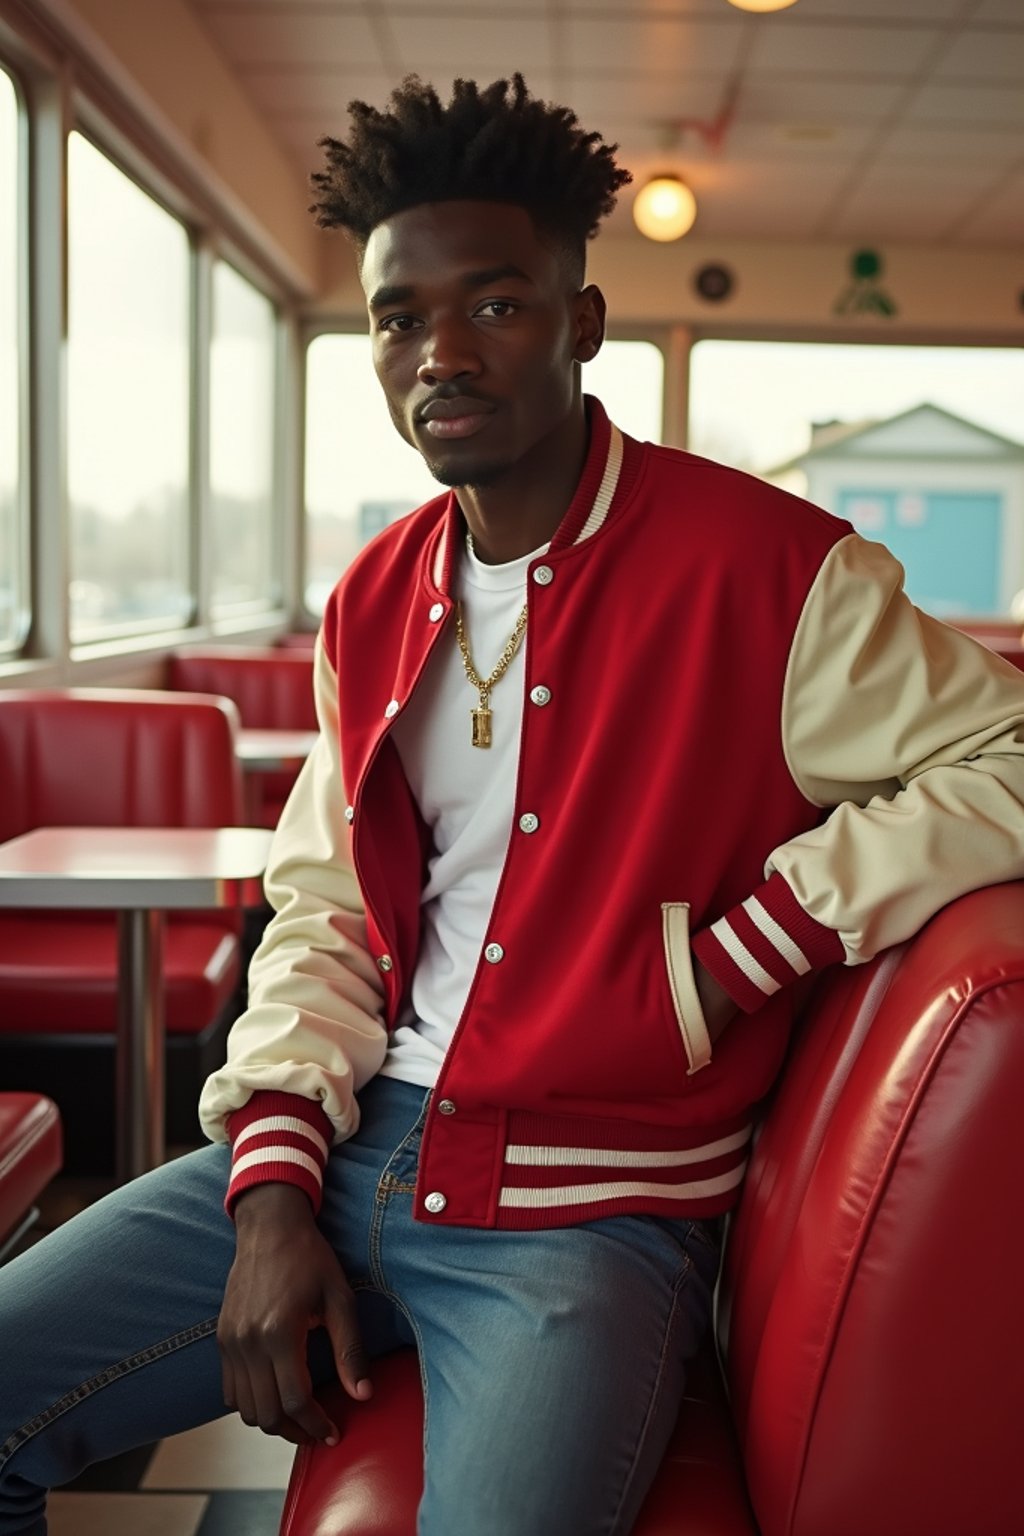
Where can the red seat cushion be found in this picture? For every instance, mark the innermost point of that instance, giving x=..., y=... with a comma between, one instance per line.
x=370, y=1483
x=30, y=1152
x=58, y=972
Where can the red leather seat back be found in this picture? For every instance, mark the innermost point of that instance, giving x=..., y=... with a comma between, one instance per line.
x=31, y=1153
x=272, y=687
x=116, y=758
x=868, y=1312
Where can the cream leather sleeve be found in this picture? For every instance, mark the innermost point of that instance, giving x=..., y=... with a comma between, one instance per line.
x=915, y=733
x=313, y=1026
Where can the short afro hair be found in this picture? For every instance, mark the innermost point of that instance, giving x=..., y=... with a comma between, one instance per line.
x=495, y=144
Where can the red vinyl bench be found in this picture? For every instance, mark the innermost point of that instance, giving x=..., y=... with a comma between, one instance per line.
x=113, y=757
x=31, y=1152
x=272, y=688
x=867, y=1315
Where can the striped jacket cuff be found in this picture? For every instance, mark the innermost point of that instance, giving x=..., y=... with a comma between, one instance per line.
x=765, y=943
x=278, y=1138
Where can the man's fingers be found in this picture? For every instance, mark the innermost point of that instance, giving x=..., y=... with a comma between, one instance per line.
x=227, y=1381
x=294, y=1392
x=274, y=1415
x=350, y=1358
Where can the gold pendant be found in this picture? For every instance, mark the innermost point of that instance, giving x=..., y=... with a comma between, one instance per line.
x=481, y=726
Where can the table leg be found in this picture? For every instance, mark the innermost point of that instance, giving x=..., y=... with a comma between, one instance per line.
x=140, y=1043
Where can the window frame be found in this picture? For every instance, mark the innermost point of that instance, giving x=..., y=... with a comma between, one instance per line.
x=61, y=88
x=22, y=612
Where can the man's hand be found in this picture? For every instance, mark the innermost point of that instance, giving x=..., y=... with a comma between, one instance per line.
x=285, y=1281
x=719, y=1008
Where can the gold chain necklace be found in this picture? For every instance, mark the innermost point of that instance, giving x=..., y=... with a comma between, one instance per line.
x=482, y=715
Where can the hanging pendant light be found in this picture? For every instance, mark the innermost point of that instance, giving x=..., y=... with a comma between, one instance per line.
x=762, y=5
x=664, y=208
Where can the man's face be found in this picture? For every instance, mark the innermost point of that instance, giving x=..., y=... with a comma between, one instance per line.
x=476, y=329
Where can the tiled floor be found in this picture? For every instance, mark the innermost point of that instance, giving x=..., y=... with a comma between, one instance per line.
x=223, y=1479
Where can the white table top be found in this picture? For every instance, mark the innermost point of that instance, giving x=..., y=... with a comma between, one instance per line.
x=162, y=868
x=271, y=750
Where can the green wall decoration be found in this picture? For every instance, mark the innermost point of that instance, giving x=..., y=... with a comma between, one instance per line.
x=865, y=294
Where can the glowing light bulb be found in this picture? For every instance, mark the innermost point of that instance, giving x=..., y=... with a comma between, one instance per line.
x=665, y=208
x=762, y=5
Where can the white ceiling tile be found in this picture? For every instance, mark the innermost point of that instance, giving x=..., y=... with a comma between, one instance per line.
x=877, y=10
x=908, y=199
x=999, y=10
x=804, y=142
x=311, y=38
x=317, y=94
x=889, y=178
x=782, y=99
x=653, y=45
x=294, y=8
x=237, y=7
x=644, y=100
x=758, y=198
x=798, y=47
x=468, y=43
x=999, y=220
x=910, y=217
x=452, y=11
x=991, y=56
x=630, y=8
x=993, y=148
x=971, y=104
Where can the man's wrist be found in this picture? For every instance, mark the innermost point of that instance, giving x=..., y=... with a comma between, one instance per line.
x=271, y=1204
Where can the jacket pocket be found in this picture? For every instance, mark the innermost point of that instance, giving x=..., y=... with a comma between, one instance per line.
x=675, y=932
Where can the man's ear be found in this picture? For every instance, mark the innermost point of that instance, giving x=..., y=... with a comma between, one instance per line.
x=590, y=311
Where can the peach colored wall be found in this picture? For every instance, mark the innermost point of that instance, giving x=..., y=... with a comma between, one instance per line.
x=973, y=294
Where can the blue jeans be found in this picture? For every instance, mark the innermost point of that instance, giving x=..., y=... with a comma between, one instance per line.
x=553, y=1362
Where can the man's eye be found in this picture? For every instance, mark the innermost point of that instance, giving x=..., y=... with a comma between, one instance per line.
x=400, y=323
x=498, y=308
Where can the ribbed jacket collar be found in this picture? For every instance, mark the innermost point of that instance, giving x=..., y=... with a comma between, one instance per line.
x=609, y=475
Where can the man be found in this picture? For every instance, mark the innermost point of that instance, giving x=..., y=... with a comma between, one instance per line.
x=616, y=744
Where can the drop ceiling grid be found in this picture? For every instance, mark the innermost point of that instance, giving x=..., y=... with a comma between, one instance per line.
x=834, y=108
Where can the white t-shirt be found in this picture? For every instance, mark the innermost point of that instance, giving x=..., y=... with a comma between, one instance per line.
x=466, y=795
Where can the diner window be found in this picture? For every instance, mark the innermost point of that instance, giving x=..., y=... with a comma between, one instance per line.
x=14, y=604
x=244, y=536
x=129, y=298
x=360, y=475
x=628, y=377
x=921, y=448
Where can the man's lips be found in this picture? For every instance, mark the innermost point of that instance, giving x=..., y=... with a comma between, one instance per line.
x=461, y=417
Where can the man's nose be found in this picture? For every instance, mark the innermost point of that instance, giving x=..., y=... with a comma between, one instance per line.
x=449, y=352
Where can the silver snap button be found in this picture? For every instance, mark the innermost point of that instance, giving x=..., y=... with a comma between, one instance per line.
x=385, y=963
x=350, y=813
x=435, y=1202
x=529, y=822
x=392, y=710
x=436, y=612
x=494, y=953
x=446, y=1107
x=543, y=575
x=540, y=694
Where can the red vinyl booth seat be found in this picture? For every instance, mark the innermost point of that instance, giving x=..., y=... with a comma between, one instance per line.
x=113, y=757
x=868, y=1311
x=30, y=1153
x=272, y=688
